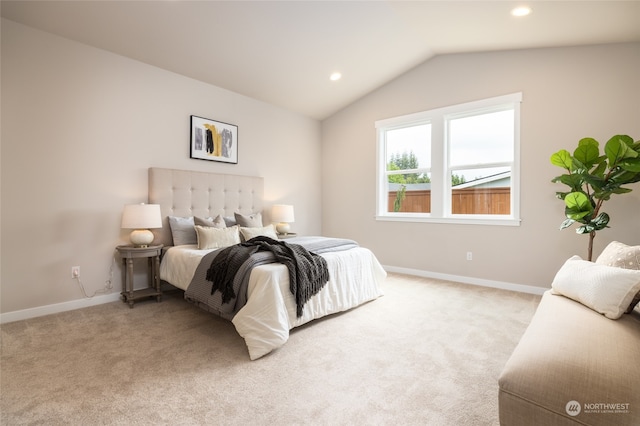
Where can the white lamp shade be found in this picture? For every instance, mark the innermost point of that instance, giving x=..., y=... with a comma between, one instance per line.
x=282, y=213
x=141, y=216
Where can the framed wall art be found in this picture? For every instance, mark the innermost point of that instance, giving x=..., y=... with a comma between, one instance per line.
x=213, y=140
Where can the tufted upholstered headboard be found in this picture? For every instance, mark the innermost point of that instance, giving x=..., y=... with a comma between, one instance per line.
x=188, y=193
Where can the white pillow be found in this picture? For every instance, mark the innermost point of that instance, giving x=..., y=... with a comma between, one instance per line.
x=182, y=230
x=605, y=289
x=211, y=238
x=266, y=231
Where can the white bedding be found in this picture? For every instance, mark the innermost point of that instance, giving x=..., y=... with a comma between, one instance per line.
x=264, y=322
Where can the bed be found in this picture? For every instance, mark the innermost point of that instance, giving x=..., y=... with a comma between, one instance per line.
x=266, y=310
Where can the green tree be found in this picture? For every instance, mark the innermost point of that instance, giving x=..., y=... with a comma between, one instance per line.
x=457, y=180
x=593, y=178
x=400, y=194
x=406, y=161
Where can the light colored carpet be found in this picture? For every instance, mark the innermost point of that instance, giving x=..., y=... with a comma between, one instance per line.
x=429, y=352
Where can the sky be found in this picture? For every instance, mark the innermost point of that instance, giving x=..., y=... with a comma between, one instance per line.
x=477, y=139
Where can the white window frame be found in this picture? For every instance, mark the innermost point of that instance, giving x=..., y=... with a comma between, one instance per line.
x=439, y=169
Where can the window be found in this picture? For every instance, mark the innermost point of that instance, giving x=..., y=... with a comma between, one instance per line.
x=455, y=164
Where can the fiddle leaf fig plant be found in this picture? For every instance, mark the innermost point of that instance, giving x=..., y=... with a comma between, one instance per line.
x=592, y=178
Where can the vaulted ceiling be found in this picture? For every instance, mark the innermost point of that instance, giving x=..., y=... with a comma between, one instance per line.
x=282, y=52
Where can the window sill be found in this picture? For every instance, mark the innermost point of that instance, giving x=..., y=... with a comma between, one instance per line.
x=462, y=220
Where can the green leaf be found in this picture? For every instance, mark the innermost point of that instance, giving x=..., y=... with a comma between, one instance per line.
x=626, y=139
x=601, y=221
x=573, y=181
x=576, y=215
x=621, y=190
x=617, y=149
x=635, y=179
x=562, y=159
x=578, y=206
x=585, y=229
x=587, y=152
x=603, y=194
x=601, y=168
x=631, y=164
x=622, y=177
x=578, y=201
x=588, y=141
x=567, y=223
x=596, y=182
x=578, y=167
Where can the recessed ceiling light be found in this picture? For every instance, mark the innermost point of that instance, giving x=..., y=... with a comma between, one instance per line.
x=335, y=76
x=521, y=11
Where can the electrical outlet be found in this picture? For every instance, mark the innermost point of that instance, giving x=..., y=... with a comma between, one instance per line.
x=75, y=272
x=469, y=255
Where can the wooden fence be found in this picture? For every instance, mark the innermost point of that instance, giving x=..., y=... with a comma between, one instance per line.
x=464, y=201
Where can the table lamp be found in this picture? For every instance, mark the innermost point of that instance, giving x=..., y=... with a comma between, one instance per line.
x=141, y=218
x=283, y=214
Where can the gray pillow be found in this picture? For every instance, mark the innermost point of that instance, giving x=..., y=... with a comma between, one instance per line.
x=253, y=220
x=230, y=221
x=182, y=230
x=218, y=222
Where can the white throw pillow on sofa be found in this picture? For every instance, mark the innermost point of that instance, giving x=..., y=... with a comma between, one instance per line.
x=605, y=289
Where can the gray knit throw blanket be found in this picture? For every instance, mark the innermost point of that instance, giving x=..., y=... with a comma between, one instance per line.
x=308, y=271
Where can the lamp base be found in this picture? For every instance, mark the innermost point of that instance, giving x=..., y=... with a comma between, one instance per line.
x=141, y=237
x=283, y=228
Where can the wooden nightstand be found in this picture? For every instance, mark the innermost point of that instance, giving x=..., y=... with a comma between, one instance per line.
x=152, y=253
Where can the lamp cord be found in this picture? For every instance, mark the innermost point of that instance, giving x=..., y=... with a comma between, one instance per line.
x=108, y=284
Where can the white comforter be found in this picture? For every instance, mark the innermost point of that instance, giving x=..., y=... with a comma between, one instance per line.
x=264, y=322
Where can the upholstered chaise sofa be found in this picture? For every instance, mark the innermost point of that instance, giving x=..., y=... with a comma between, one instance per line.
x=578, y=362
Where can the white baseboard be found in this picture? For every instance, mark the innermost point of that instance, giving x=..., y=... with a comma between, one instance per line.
x=468, y=280
x=58, y=307
x=107, y=298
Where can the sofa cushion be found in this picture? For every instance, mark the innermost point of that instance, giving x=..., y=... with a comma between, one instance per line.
x=605, y=289
x=571, y=354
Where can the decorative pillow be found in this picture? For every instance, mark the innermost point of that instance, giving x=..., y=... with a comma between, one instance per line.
x=230, y=221
x=605, y=289
x=211, y=238
x=182, y=230
x=622, y=256
x=253, y=220
x=266, y=231
x=218, y=222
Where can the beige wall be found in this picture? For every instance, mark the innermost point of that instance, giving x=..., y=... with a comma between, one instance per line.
x=568, y=94
x=80, y=127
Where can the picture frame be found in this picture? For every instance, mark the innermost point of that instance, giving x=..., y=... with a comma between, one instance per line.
x=213, y=140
